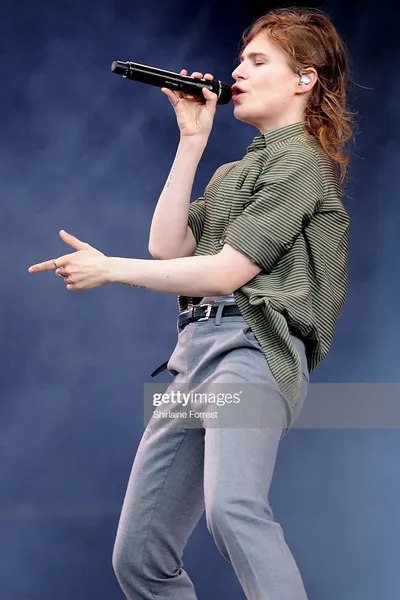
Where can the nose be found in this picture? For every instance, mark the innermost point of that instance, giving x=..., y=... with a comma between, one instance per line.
x=238, y=73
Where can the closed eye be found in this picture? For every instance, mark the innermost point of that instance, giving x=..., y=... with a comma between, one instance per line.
x=255, y=58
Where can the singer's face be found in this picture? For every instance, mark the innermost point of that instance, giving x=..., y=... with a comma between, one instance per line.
x=268, y=88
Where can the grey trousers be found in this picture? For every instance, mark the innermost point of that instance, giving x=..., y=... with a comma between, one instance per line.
x=179, y=472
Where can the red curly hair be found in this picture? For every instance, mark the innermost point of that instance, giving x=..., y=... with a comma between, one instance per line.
x=310, y=40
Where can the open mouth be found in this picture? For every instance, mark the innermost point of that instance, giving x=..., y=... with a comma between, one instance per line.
x=236, y=93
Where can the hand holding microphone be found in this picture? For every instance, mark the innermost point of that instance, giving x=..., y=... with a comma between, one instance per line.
x=193, y=98
x=194, y=115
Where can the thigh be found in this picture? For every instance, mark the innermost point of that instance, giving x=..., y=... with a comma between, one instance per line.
x=230, y=373
x=165, y=488
x=242, y=438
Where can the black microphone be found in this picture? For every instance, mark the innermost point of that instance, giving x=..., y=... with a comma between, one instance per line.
x=173, y=81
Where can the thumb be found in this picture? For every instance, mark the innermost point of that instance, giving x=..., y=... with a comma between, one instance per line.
x=73, y=241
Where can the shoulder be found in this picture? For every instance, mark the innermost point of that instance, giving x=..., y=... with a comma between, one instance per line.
x=294, y=166
x=219, y=174
x=296, y=154
x=302, y=162
x=222, y=170
x=313, y=161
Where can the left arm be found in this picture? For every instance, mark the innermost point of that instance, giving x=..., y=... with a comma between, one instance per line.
x=214, y=275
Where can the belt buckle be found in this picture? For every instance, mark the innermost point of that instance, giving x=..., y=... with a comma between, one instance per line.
x=208, y=312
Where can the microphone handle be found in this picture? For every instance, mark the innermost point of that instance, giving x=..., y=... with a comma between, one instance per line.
x=170, y=80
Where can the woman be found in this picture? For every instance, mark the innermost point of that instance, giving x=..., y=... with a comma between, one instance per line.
x=259, y=265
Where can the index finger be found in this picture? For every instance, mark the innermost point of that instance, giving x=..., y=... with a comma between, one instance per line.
x=50, y=265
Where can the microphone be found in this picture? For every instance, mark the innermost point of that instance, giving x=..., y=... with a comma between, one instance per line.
x=173, y=81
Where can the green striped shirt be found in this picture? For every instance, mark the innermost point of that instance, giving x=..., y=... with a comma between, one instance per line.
x=281, y=205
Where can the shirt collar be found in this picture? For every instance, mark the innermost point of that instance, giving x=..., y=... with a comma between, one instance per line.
x=276, y=135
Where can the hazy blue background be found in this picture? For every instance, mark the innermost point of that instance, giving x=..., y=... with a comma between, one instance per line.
x=85, y=150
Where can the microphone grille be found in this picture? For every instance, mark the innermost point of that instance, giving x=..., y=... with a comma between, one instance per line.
x=225, y=93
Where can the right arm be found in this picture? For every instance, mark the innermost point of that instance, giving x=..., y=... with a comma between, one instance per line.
x=170, y=234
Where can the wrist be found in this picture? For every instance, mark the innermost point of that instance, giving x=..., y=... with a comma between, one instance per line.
x=193, y=143
x=110, y=269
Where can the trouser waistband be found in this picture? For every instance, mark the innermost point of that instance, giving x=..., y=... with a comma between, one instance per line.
x=207, y=311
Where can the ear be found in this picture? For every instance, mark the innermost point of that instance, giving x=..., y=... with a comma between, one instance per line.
x=307, y=79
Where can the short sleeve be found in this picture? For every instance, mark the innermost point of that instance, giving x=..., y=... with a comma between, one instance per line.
x=197, y=215
x=286, y=195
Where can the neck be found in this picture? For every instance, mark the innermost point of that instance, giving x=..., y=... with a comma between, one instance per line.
x=278, y=123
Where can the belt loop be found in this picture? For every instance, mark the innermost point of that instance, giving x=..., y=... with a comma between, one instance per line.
x=219, y=313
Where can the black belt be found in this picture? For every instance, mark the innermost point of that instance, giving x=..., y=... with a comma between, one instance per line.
x=205, y=312
x=201, y=313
